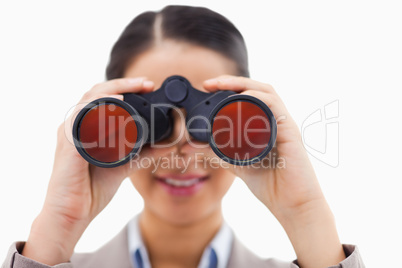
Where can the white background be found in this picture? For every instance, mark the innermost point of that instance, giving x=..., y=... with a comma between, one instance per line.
x=312, y=52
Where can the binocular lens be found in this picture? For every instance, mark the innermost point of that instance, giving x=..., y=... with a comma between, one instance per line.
x=241, y=130
x=108, y=133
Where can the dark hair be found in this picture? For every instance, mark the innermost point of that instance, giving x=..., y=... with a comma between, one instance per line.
x=195, y=25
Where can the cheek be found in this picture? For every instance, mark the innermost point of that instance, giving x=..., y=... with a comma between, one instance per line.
x=221, y=181
x=142, y=181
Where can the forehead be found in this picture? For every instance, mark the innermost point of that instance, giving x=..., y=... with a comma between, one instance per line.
x=196, y=63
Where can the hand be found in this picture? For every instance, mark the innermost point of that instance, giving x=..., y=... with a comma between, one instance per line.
x=77, y=191
x=290, y=190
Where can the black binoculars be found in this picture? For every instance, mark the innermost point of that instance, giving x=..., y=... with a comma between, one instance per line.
x=240, y=129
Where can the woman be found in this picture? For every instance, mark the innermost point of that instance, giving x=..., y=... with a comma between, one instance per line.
x=176, y=229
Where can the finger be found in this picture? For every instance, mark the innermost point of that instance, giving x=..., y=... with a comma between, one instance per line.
x=287, y=127
x=236, y=83
x=69, y=121
x=120, y=86
x=89, y=99
x=113, y=89
x=271, y=100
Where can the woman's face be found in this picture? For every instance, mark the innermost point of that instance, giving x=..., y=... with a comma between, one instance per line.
x=177, y=182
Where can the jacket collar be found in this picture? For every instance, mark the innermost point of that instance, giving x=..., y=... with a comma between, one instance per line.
x=115, y=253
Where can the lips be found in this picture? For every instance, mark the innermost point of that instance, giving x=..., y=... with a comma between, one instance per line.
x=182, y=184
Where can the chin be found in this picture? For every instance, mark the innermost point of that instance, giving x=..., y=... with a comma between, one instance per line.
x=186, y=214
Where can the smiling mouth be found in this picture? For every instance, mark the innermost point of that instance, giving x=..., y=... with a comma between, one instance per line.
x=182, y=184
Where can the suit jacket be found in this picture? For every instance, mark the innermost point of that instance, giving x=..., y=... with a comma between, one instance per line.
x=115, y=254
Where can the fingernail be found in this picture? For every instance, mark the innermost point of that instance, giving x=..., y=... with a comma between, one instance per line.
x=148, y=84
x=135, y=80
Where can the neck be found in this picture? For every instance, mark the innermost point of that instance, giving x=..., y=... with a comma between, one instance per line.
x=175, y=245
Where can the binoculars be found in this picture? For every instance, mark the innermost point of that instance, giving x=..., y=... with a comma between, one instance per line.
x=239, y=128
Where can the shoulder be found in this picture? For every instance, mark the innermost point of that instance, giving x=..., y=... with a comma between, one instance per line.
x=241, y=257
x=112, y=254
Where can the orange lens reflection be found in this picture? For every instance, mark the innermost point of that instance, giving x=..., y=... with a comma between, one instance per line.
x=108, y=133
x=241, y=130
